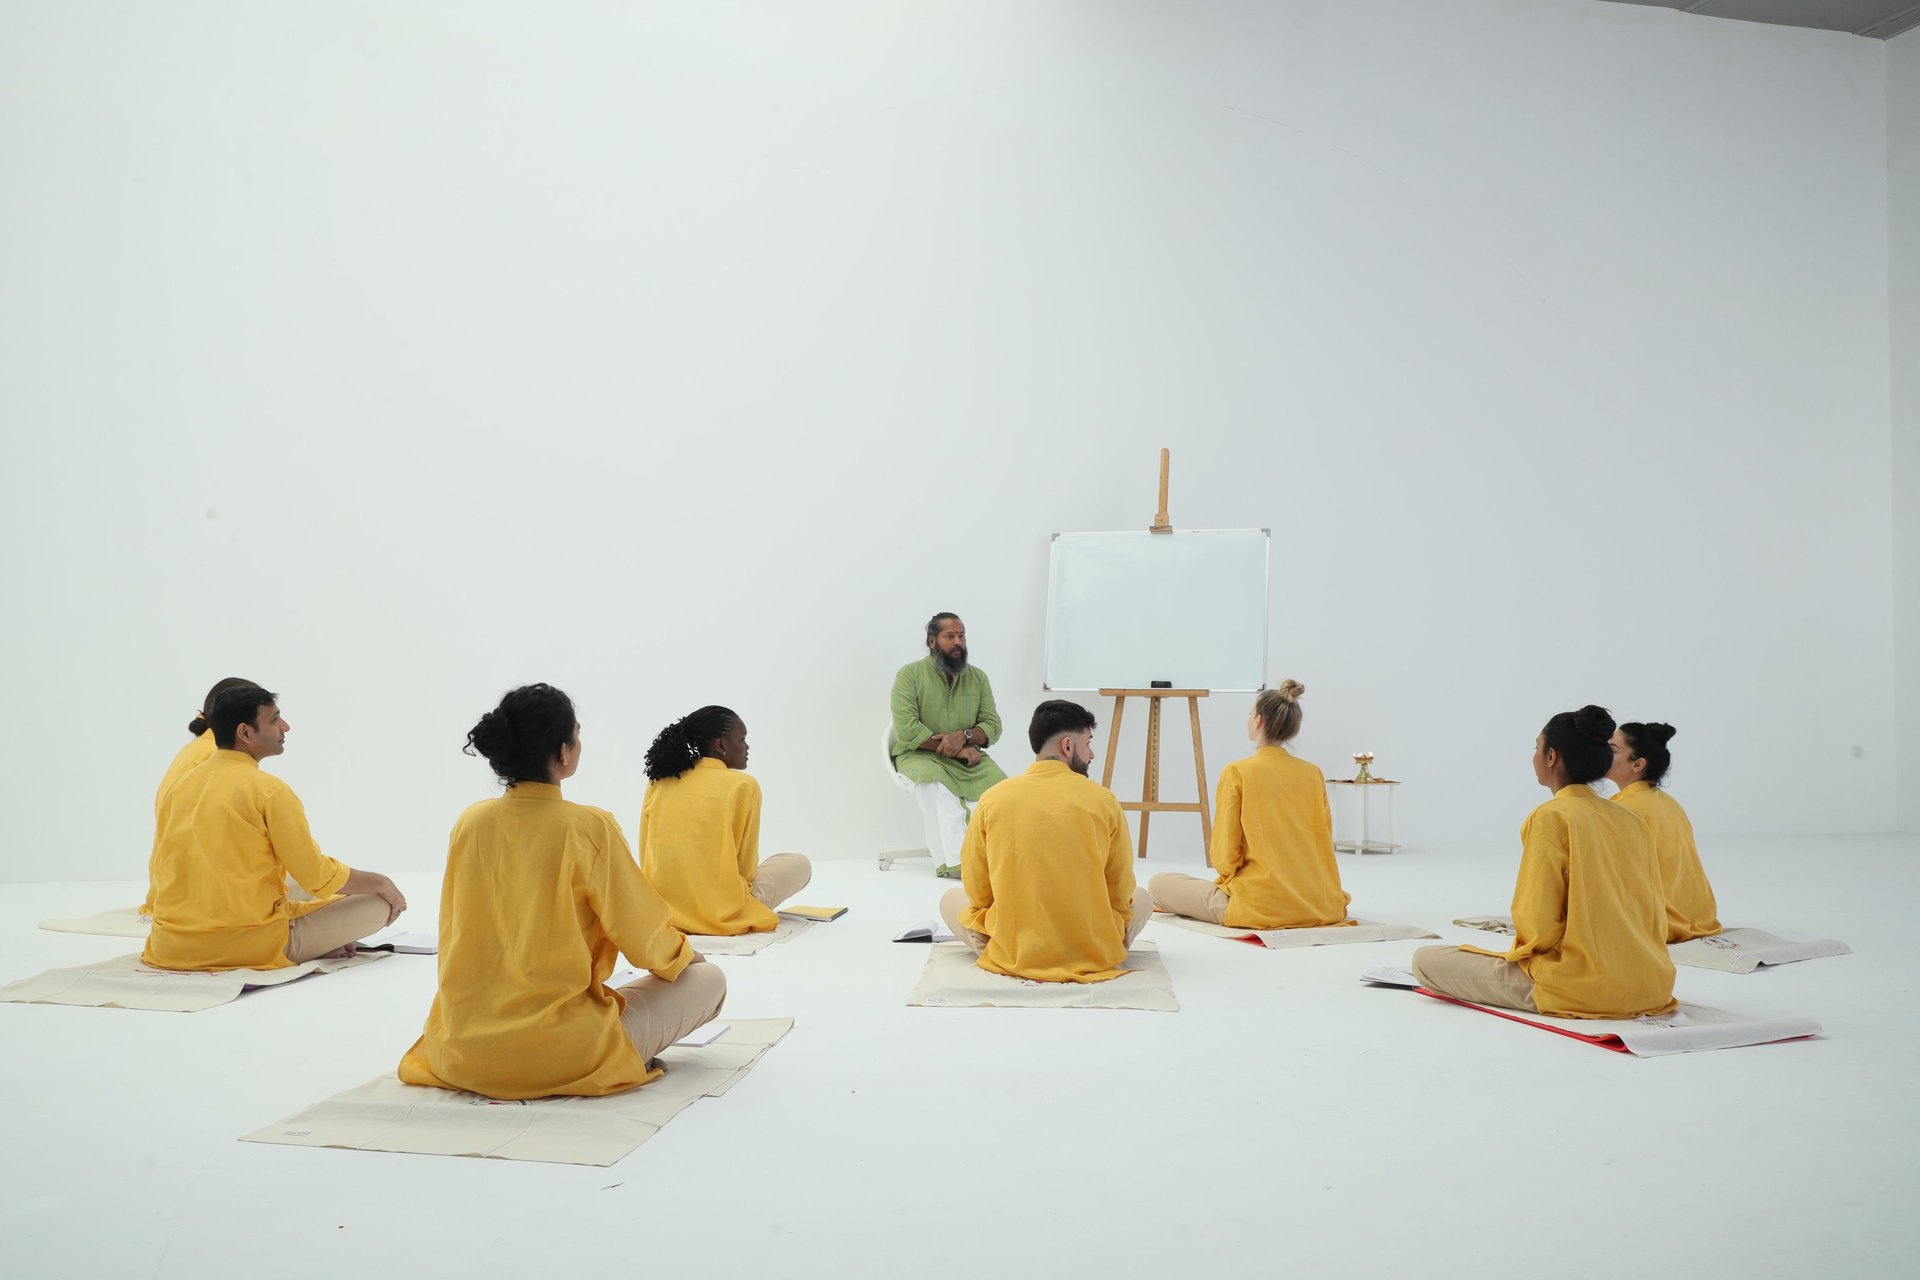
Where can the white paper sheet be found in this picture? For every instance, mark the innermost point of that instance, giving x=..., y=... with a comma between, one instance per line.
x=1283, y=939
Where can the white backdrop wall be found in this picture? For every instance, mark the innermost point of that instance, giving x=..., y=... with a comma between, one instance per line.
x=394, y=355
x=1903, y=222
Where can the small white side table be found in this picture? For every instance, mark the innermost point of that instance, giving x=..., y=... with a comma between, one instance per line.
x=1368, y=789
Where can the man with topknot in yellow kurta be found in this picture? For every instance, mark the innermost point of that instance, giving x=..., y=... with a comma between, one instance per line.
x=1048, y=865
x=230, y=836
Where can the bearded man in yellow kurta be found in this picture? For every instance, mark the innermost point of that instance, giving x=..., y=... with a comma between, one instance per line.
x=1048, y=865
x=943, y=721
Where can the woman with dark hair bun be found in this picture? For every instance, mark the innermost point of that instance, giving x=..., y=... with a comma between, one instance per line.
x=198, y=751
x=1640, y=760
x=541, y=899
x=1589, y=923
x=700, y=830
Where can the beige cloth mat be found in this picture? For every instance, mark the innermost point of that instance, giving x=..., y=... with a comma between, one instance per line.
x=1491, y=924
x=124, y=983
x=1744, y=950
x=951, y=980
x=1280, y=939
x=127, y=922
x=748, y=944
x=386, y=1115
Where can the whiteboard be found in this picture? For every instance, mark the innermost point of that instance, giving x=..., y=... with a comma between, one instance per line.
x=1125, y=609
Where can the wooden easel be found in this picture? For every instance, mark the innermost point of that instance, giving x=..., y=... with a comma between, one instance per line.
x=1149, y=802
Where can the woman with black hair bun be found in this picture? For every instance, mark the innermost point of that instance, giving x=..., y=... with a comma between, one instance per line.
x=199, y=749
x=541, y=899
x=700, y=830
x=1640, y=762
x=1589, y=921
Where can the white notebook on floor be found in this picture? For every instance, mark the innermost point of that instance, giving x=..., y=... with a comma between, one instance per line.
x=926, y=931
x=400, y=942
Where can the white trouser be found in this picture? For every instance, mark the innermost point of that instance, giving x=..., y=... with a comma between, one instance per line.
x=945, y=819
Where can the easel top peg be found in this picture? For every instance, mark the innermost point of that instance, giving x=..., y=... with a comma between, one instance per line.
x=1154, y=693
x=1161, y=523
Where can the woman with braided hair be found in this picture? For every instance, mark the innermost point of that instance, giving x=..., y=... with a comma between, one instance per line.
x=1640, y=760
x=1589, y=919
x=700, y=830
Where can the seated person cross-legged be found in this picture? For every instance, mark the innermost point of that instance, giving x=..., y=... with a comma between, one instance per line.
x=230, y=835
x=1047, y=867
x=541, y=898
x=199, y=749
x=943, y=722
x=1640, y=761
x=1272, y=836
x=1589, y=922
x=700, y=830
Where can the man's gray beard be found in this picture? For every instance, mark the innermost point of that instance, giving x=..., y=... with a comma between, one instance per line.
x=952, y=667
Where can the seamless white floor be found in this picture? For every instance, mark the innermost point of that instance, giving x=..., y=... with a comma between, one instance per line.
x=1288, y=1119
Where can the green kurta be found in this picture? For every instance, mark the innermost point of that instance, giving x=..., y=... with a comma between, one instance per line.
x=923, y=705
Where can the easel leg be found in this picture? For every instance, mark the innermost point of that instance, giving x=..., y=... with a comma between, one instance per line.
x=1200, y=778
x=1150, y=788
x=1113, y=740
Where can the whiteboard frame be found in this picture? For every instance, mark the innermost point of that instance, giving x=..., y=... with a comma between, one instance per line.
x=1266, y=613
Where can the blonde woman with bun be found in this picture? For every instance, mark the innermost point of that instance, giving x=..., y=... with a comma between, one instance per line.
x=1272, y=836
x=1640, y=761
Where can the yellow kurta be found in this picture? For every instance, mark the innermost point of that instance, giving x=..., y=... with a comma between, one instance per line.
x=190, y=757
x=1691, y=910
x=229, y=836
x=1589, y=921
x=1273, y=844
x=541, y=898
x=1048, y=868
x=700, y=845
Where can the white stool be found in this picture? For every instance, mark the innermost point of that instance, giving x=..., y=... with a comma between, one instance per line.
x=889, y=856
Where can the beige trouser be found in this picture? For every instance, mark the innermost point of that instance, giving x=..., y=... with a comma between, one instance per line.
x=954, y=901
x=1189, y=896
x=1466, y=975
x=333, y=926
x=659, y=1012
x=780, y=877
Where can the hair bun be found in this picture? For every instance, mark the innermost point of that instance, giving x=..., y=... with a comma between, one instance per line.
x=1593, y=722
x=196, y=726
x=493, y=735
x=1290, y=689
x=1661, y=733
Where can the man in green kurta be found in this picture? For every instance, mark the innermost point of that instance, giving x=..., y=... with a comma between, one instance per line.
x=943, y=719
